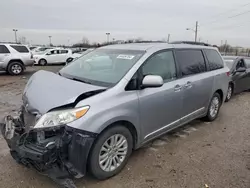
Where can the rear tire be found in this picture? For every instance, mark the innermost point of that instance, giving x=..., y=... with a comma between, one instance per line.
x=229, y=92
x=213, y=108
x=15, y=68
x=107, y=158
x=42, y=62
x=69, y=60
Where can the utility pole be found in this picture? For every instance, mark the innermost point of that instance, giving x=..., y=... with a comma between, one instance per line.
x=15, y=31
x=225, y=48
x=168, y=38
x=196, y=30
x=50, y=40
x=107, y=37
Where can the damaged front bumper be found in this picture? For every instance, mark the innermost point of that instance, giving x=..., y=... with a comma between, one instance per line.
x=56, y=152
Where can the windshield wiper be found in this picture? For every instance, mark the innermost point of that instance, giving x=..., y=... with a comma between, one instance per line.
x=83, y=81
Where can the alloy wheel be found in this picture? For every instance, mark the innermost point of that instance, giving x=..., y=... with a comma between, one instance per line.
x=229, y=92
x=214, y=107
x=113, y=152
x=16, y=69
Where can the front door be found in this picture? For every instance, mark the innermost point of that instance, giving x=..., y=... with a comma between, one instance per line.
x=247, y=64
x=241, y=78
x=160, y=107
x=198, y=84
x=52, y=56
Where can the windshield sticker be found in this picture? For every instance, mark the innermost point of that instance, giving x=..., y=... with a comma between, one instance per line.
x=129, y=57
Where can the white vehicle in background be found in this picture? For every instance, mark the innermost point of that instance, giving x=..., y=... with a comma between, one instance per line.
x=38, y=49
x=54, y=56
x=14, y=58
x=79, y=54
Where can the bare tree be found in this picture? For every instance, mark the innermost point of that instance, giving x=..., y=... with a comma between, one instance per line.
x=85, y=40
x=22, y=40
x=139, y=39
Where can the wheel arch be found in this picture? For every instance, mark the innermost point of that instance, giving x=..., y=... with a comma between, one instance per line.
x=130, y=126
x=16, y=60
x=220, y=92
x=232, y=83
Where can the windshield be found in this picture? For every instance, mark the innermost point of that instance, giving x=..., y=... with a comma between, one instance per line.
x=103, y=67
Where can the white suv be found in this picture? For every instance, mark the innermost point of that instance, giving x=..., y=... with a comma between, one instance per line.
x=14, y=58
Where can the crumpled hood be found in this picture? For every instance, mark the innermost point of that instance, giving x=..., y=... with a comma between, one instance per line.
x=46, y=90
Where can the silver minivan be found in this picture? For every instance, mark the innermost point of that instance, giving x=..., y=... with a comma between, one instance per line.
x=96, y=110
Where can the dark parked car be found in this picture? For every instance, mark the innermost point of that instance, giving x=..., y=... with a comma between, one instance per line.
x=239, y=73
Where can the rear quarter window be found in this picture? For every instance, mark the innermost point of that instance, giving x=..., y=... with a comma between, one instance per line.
x=214, y=59
x=21, y=49
x=4, y=49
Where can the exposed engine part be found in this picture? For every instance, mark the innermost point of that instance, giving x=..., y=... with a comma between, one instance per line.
x=60, y=153
x=40, y=136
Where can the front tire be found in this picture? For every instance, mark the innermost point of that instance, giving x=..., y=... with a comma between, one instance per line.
x=213, y=108
x=15, y=68
x=229, y=93
x=110, y=152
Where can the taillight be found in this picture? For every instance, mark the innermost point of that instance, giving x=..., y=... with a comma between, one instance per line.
x=228, y=73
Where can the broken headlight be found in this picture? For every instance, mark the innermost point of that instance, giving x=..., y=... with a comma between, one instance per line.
x=60, y=117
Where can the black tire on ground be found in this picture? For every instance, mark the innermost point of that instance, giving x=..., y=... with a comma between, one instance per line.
x=69, y=60
x=229, y=95
x=93, y=163
x=15, y=68
x=42, y=62
x=210, y=116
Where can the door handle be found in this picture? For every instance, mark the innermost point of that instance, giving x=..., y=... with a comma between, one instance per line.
x=177, y=88
x=188, y=85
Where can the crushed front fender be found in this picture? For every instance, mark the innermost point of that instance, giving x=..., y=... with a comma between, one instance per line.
x=59, y=153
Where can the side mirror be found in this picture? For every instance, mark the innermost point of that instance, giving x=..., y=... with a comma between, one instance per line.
x=241, y=69
x=152, y=81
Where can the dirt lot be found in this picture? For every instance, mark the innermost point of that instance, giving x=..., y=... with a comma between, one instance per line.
x=216, y=154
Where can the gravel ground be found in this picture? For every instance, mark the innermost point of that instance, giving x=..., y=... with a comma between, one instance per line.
x=216, y=154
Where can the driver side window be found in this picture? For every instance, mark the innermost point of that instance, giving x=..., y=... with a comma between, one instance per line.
x=240, y=64
x=161, y=64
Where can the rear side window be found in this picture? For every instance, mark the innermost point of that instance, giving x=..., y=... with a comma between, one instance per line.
x=247, y=61
x=21, y=49
x=64, y=51
x=4, y=49
x=190, y=61
x=214, y=59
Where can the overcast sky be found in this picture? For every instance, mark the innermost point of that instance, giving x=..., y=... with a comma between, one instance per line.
x=68, y=21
